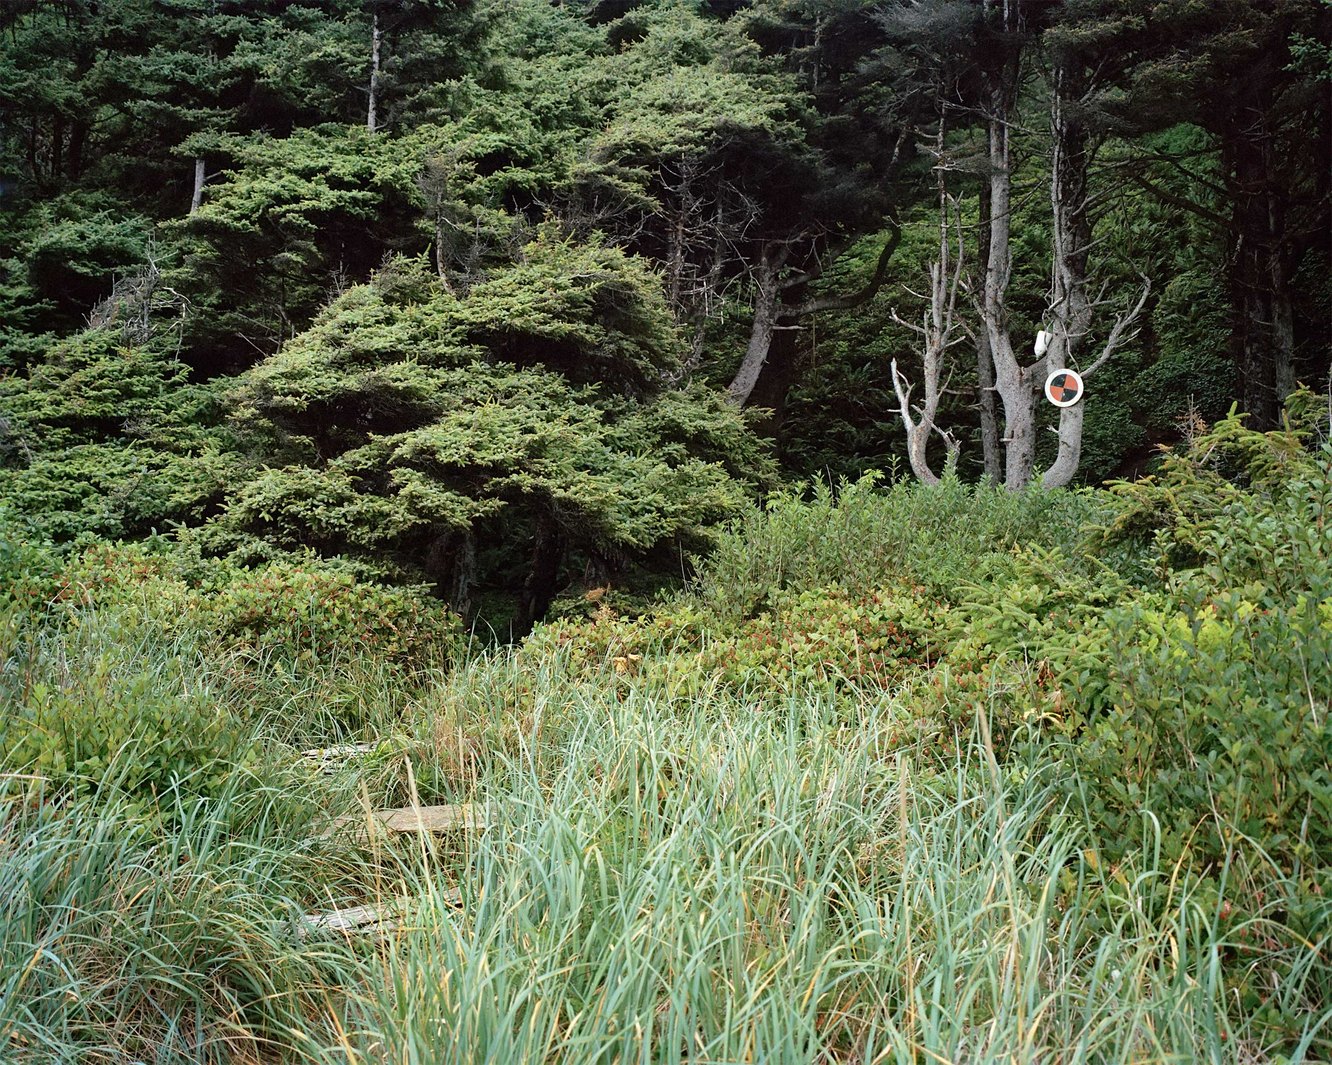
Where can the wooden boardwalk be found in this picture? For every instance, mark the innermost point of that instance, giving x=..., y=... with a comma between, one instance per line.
x=393, y=915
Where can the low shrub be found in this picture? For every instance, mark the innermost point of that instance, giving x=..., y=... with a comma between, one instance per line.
x=139, y=668
x=295, y=613
x=867, y=638
x=1207, y=699
x=1201, y=695
x=98, y=705
x=859, y=536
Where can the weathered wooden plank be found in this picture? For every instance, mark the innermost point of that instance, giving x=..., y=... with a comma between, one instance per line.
x=377, y=920
x=423, y=820
x=339, y=750
x=450, y=818
x=330, y=760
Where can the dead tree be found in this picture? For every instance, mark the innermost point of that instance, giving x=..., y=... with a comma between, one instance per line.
x=1071, y=308
x=939, y=328
x=775, y=312
x=372, y=107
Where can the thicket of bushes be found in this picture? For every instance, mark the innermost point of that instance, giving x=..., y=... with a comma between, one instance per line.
x=1076, y=743
x=1177, y=630
x=142, y=667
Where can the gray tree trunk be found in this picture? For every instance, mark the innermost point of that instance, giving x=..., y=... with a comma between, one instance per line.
x=1072, y=309
x=989, y=417
x=1013, y=383
x=767, y=307
x=371, y=115
x=938, y=327
x=199, y=178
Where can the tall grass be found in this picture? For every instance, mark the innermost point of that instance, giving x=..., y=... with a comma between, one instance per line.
x=666, y=880
x=122, y=941
x=711, y=872
x=718, y=885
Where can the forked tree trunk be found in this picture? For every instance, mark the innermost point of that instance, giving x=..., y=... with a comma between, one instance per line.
x=937, y=329
x=779, y=307
x=1072, y=309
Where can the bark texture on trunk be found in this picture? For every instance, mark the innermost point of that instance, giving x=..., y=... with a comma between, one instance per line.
x=1013, y=382
x=991, y=452
x=1072, y=309
x=200, y=176
x=372, y=109
x=1261, y=271
x=772, y=354
x=767, y=305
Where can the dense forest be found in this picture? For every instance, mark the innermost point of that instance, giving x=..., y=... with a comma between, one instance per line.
x=507, y=297
x=538, y=530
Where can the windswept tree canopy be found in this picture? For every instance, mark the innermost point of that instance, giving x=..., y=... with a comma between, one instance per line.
x=446, y=436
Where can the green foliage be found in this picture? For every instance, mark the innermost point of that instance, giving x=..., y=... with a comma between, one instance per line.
x=1198, y=699
x=290, y=616
x=102, y=704
x=981, y=744
x=290, y=220
x=409, y=422
x=1208, y=700
x=862, y=537
x=826, y=638
x=106, y=439
x=146, y=670
x=57, y=261
x=1211, y=710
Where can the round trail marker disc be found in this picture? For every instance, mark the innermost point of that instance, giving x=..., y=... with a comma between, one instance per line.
x=1063, y=388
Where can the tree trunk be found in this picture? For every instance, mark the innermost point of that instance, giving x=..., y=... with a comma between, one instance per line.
x=918, y=438
x=450, y=563
x=1072, y=309
x=371, y=117
x=199, y=176
x=58, y=148
x=1071, y=233
x=1262, y=340
x=78, y=139
x=937, y=328
x=767, y=304
x=989, y=415
x=542, y=577
x=1013, y=384
x=464, y=573
x=32, y=151
x=772, y=355
x=785, y=352
x=1065, y=466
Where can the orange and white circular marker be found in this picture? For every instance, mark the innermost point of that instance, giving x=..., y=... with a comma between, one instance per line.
x=1063, y=388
